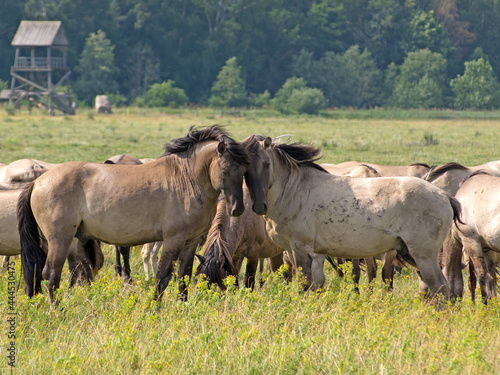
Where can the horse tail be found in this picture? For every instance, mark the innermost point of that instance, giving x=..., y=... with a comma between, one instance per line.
x=32, y=255
x=404, y=256
x=457, y=210
x=94, y=252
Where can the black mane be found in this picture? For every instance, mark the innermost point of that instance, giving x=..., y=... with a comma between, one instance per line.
x=439, y=171
x=212, y=133
x=300, y=154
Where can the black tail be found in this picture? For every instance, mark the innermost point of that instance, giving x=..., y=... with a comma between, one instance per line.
x=457, y=210
x=93, y=250
x=32, y=255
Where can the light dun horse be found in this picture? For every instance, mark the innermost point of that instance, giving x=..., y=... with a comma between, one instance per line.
x=172, y=199
x=312, y=213
x=478, y=235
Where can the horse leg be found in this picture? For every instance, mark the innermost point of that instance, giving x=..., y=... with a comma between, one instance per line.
x=429, y=271
x=317, y=270
x=118, y=262
x=186, y=258
x=473, y=248
x=125, y=252
x=5, y=263
x=472, y=280
x=339, y=270
x=452, y=265
x=388, y=268
x=250, y=271
x=146, y=257
x=171, y=250
x=356, y=273
x=154, y=256
x=371, y=269
x=302, y=265
x=57, y=254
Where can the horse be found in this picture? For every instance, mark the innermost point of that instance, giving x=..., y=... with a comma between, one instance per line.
x=83, y=266
x=351, y=168
x=19, y=172
x=150, y=250
x=172, y=199
x=358, y=169
x=312, y=213
x=478, y=236
x=15, y=175
x=449, y=176
x=230, y=239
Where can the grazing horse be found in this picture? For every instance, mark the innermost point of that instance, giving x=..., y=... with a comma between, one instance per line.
x=478, y=235
x=172, y=199
x=233, y=238
x=312, y=213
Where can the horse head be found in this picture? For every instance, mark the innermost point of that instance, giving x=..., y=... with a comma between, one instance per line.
x=258, y=174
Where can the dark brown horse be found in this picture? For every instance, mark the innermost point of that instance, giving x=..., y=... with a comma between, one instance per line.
x=172, y=199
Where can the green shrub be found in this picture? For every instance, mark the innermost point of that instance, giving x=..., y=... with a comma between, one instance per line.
x=260, y=100
x=163, y=94
x=307, y=100
x=295, y=96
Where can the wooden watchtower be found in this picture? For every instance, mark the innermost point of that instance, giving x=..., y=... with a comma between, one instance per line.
x=40, y=61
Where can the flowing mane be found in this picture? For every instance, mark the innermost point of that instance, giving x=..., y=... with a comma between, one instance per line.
x=434, y=173
x=299, y=155
x=212, y=133
x=216, y=248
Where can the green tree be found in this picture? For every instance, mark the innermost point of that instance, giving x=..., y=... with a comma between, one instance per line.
x=425, y=32
x=420, y=81
x=228, y=89
x=478, y=87
x=348, y=79
x=97, y=68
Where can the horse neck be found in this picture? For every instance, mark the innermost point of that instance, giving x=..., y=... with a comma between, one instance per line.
x=187, y=173
x=221, y=228
x=284, y=183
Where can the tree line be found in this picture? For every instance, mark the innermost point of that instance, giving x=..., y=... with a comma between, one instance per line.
x=294, y=55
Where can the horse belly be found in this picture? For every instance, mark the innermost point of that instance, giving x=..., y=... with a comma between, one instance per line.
x=354, y=242
x=122, y=227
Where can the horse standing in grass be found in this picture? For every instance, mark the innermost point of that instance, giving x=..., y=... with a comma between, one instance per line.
x=478, y=236
x=312, y=213
x=172, y=199
x=230, y=239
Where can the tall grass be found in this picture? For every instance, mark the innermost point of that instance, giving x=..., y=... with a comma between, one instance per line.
x=110, y=327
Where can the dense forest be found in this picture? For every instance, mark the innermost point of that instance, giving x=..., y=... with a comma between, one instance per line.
x=351, y=53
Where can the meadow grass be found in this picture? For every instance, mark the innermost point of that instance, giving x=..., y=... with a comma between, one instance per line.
x=110, y=327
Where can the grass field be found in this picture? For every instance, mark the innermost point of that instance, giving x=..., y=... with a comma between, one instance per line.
x=110, y=327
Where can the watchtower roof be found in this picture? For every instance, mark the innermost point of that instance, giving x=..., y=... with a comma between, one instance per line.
x=40, y=34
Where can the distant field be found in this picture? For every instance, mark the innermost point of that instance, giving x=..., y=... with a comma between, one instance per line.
x=112, y=328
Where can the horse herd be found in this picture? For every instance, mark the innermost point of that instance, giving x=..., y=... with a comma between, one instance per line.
x=254, y=199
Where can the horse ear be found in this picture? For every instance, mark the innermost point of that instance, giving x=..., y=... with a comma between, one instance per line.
x=267, y=142
x=109, y=162
x=221, y=147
